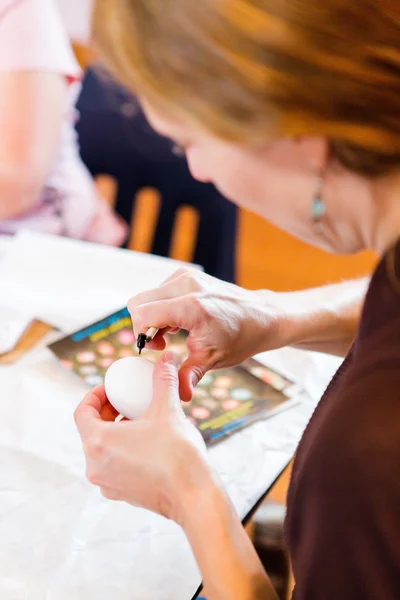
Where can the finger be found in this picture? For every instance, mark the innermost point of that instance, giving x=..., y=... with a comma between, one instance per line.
x=88, y=413
x=163, y=292
x=109, y=493
x=108, y=412
x=160, y=341
x=169, y=330
x=190, y=373
x=186, y=271
x=180, y=283
x=182, y=313
x=173, y=330
x=165, y=386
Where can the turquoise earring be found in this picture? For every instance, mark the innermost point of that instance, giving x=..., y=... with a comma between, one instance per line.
x=318, y=209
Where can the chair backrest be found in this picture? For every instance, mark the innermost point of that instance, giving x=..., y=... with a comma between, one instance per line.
x=144, y=220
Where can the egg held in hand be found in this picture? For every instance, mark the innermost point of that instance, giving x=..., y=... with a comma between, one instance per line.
x=129, y=389
x=129, y=386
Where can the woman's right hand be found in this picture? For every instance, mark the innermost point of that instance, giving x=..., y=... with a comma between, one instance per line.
x=226, y=324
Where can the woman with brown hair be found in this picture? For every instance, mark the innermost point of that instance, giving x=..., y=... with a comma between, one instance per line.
x=292, y=109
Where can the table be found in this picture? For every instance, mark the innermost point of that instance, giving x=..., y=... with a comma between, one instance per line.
x=59, y=538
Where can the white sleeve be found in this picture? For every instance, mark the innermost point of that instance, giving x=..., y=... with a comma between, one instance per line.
x=32, y=37
x=77, y=17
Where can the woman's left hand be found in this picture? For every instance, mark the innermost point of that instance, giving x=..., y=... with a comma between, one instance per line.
x=107, y=227
x=152, y=462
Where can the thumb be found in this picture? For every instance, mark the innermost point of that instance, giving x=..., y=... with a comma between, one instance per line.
x=190, y=373
x=166, y=385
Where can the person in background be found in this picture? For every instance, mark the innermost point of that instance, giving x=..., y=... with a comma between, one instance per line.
x=292, y=108
x=76, y=16
x=43, y=183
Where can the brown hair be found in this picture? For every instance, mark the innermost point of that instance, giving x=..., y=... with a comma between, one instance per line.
x=249, y=69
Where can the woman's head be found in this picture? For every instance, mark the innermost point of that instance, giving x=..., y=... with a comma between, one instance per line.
x=272, y=78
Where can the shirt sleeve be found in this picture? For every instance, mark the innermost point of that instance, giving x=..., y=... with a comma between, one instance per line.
x=346, y=536
x=32, y=37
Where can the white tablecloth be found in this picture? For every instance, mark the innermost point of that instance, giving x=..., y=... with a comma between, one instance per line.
x=59, y=539
x=5, y=244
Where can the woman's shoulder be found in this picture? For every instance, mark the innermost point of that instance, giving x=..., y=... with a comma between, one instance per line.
x=379, y=330
x=32, y=36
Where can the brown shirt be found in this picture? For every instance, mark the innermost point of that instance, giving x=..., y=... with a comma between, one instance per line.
x=343, y=522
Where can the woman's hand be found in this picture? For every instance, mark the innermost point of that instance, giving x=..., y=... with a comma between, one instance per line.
x=107, y=227
x=156, y=462
x=152, y=462
x=226, y=324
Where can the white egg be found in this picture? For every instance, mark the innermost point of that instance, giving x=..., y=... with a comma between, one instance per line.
x=129, y=385
x=129, y=388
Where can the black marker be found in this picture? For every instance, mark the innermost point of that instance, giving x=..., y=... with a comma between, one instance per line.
x=145, y=338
